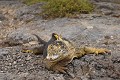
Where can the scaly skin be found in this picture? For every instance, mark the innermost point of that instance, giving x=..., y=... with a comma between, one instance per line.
x=33, y=47
x=57, y=60
x=60, y=52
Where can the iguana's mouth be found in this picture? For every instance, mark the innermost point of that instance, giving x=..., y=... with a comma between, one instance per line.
x=53, y=57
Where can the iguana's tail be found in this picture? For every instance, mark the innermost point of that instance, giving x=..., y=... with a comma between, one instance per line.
x=39, y=39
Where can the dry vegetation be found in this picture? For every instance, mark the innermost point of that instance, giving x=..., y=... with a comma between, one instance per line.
x=63, y=8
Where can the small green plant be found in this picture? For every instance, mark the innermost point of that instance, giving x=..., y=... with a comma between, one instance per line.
x=66, y=8
x=63, y=8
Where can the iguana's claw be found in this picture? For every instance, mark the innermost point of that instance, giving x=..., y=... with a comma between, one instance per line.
x=97, y=51
x=61, y=69
x=102, y=51
x=27, y=51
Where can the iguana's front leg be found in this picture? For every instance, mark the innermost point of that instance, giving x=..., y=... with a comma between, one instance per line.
x=59, y=68
x=90, y=50
x=35, y=49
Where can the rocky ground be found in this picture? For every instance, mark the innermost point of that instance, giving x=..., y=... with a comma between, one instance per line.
x=100, y=29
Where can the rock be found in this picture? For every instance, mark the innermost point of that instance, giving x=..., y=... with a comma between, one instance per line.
x=23, y=74
x=6, y=76
x=27, y=18
x=4, y=52
x=20, y=37
x=56, y=77
x=28, y=58
x=2, y=17
x=111, y=1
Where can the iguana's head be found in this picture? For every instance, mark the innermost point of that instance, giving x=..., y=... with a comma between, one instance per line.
x=56, y=50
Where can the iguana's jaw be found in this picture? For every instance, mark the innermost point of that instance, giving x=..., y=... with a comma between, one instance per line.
x=53, y=57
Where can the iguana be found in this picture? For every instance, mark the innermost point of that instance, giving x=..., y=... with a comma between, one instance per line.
x=59, y=52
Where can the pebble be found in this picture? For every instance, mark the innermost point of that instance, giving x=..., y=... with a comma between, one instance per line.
x=28, y=58
x=23, y=74
x=10, y=64
x=56, y=77
x=14, y=62
x=2, y=71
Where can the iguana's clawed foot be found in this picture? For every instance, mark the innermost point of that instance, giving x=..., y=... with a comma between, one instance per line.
x=58, y=68
x=102, y=51
x=96, y=50
x=27, y=51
